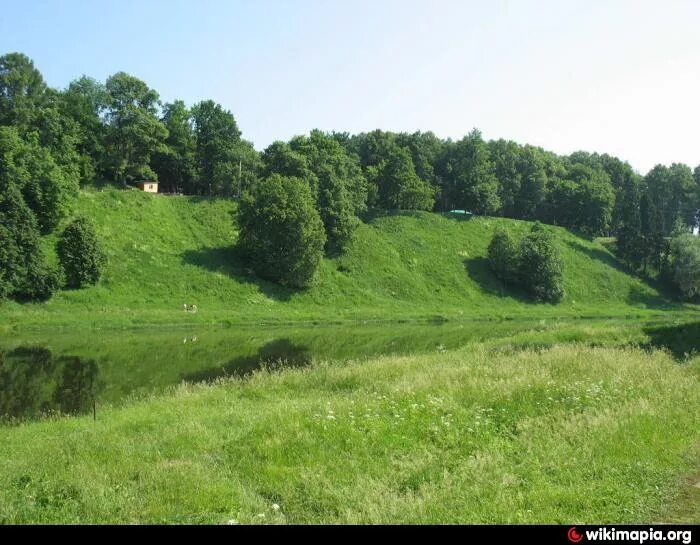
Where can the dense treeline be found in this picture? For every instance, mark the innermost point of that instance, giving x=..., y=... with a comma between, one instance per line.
x=118, y=131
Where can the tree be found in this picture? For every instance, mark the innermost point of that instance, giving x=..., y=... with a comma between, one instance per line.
x=473, y=184
x=672, y=192
x=559, y=207
x=35, y=112
x=503, y=256
x=540, y=266
x=338, y=183
x=594, y=200
x=508, y=161
x=630, y=240
x=397, y=185
x=174, y=162
x=280, y=158
x=425, y=149
x=81, y=254
x=22, y=90
x=620, y=173
x=134, y=131
x=24, y=273
x=683, y=194
x=221, y=155
x=85, y=102
x=685, y=256
x=653, y=242
x=534, y=183
x=372, y=148
x=30, y=168
x=281, y=232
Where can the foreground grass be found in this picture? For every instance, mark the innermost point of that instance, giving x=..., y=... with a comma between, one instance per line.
x=482, y=434
x=165, y=251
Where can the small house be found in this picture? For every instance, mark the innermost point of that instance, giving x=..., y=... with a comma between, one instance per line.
x=149, y=186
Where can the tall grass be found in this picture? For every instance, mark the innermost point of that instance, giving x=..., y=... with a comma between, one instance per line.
x=565, y=434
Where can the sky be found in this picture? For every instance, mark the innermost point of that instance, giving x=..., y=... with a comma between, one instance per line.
x=614, y=76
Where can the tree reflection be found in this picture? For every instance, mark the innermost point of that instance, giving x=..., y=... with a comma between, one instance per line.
x=33, y=382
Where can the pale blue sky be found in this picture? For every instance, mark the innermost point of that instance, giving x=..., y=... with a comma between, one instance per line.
x=621, y=77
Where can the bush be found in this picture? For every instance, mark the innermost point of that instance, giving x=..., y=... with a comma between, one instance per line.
x=534, y=264
x=24, y=274
x=503, y=256
x=685, y=268
x=81, y=254
x=281, y=232
x=41, y=283
x=540, y=266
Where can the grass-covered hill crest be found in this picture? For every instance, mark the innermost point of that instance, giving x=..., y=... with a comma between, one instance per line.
x=164, y=251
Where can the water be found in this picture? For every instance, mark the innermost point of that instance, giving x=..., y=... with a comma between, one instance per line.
x=71, y=372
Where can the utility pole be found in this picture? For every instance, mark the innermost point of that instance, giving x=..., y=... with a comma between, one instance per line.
x=240, y=172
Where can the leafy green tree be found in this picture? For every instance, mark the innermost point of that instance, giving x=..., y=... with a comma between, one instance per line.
x=685, y=256
x=174, y=162
x=60, y=135
x=473, y=183
x=620, y=173
x=35, y=112
x=672, y=192
x=372, y=148
x=559, y=207
x=630, y=240
x=280, y=158
x=338, y=183
x=425, y=149
x=281, y=232
x=503, y=256
x=653, y=243
x=85, y=102
x=22, y=90
x=134, y=131
x=81, y=254
x=31, y=168
x=595, y=199
x=225, y=163
x=683, y=204
x=508, y=162
x=540, y=266
x=397, y=184
x=24, y=273
x=533, y=184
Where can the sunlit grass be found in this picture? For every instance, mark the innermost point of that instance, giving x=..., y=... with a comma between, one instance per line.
x=165, y=251
x=564, y=434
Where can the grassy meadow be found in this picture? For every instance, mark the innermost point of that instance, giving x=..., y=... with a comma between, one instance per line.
x=483, y=434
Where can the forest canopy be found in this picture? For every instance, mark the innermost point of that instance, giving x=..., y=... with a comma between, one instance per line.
x=53, y=141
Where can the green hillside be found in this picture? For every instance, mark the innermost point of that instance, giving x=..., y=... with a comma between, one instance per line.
x=165, y=251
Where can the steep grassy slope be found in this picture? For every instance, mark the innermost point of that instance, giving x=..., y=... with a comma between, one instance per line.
x=566, y=435
x=166, y=251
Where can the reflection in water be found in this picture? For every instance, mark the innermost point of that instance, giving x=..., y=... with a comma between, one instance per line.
x=681, y=340
x=277, y=354
x=33, y=383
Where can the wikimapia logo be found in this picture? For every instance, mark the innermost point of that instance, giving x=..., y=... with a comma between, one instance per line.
x=629, y=536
